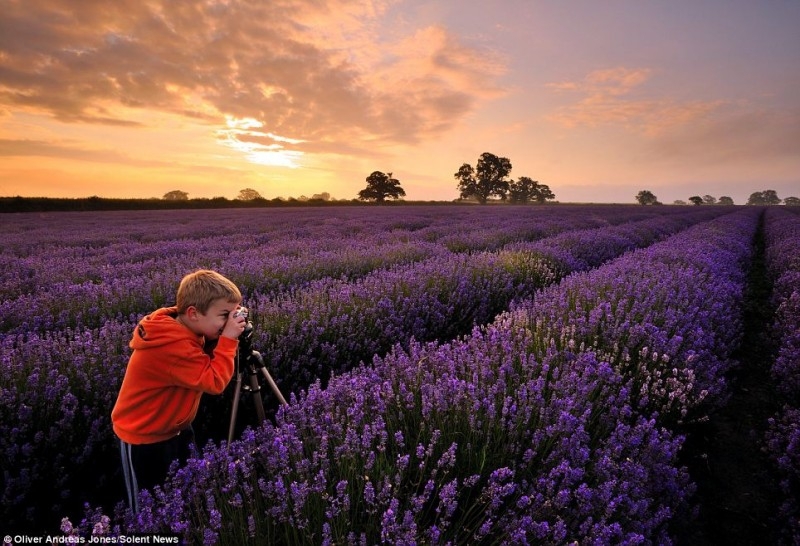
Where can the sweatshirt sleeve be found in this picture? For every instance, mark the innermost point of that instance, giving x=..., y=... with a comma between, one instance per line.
x=198, y=371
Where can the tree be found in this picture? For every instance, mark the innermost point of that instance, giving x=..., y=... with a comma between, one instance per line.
x=709, y=200
x=791, y=201
x=766, y=197
x=542, y=193
x=696, y=200
x=380, y=186
x=487, y=179
x=756, y=198
x=176, y=195
x=771, y=197
x=525, y=189
x=646, y=197
x=248, y=194
x=679, y=202
x=519, y=191
x=725, y=200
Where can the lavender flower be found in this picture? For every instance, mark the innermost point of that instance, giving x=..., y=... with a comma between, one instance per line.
x=550, y=423
x=782, y=439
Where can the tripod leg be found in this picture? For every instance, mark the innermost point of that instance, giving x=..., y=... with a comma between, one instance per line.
x=234, y=409
x=273, y=386
x=255, y=390
x=257, y=356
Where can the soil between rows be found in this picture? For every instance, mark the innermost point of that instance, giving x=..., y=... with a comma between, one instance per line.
x=737, y=492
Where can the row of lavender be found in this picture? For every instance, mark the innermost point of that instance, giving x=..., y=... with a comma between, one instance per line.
x=74, y=270
x=556, y=423
x=331, y=325
x=58, y=388
x=782, y=233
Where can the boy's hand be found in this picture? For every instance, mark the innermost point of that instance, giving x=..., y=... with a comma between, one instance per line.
x=235, y=325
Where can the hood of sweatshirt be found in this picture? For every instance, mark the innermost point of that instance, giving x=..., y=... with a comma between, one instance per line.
x=161, y=328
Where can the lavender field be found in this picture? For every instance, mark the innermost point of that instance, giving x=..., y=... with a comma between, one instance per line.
x=455, y=374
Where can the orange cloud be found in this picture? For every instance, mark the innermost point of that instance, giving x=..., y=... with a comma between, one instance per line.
x=606, y=101
x=741, y=134
x=307, y=71
x=617, y=81
x=426, y=82
x=71, y=151
x=719, y=132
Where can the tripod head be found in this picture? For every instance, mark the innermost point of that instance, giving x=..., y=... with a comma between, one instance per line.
x=245, y=339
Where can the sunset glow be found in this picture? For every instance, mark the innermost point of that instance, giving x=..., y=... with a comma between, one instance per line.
x=258, y=147
x=596, y=100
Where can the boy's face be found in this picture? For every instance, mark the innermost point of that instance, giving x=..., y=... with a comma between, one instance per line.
x=213, y=321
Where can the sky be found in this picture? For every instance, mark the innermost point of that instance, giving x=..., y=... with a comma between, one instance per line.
x=597, y=100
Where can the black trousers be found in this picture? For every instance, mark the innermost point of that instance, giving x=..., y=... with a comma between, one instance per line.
x=146, y=465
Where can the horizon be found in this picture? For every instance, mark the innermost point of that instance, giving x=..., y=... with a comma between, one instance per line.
x=598, y=102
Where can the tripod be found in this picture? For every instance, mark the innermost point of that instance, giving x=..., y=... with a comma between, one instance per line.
x=250, y=362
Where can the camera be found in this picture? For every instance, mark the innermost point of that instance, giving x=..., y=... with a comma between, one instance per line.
x=247, y=334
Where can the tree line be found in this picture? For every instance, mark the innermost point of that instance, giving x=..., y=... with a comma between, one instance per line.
x=766, y=197
x=488, y=180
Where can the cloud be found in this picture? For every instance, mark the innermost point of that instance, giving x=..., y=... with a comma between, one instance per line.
x=722, y=134
x=69, y=150
x=616, y=81
x=606, y=100
x=738, y=134
x=310, y=72
x=428, y=81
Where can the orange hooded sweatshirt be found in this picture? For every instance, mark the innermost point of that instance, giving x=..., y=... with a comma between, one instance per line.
x=166, y=376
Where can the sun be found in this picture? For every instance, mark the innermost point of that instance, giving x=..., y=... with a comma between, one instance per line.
x=259, y=147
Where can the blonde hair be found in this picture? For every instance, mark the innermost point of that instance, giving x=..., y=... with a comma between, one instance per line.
x=201, y=288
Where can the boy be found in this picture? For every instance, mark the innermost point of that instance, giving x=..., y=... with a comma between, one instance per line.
x=169, y=370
